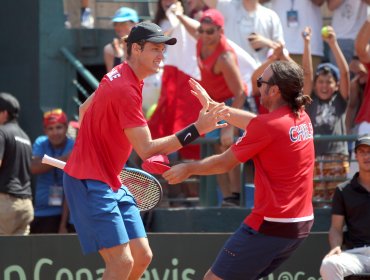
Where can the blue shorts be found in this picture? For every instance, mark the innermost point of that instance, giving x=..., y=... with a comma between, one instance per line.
x=249, y=255
x=102, y=218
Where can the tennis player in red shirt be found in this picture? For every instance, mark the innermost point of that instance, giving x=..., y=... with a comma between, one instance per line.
x=104, y=212
x=281, y=145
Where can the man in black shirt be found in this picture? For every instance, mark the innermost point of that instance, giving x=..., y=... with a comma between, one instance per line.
x=16, y=210
x=351, y=207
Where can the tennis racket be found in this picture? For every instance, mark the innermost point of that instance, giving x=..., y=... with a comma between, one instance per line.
x=145, y=188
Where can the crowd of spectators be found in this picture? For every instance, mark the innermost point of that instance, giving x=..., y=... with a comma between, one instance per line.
x=255, y=33
x=293, y=30
x=220, y=37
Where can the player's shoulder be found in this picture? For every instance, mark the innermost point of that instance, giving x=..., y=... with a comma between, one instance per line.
x=262, y=119
x=116, y=79
x=260, y=123
x=114, y=76
x=281, y=118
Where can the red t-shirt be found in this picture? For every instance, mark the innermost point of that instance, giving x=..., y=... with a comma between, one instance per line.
x=215, y=84
x=281, y=146
x=363, y=114
x=102, y=148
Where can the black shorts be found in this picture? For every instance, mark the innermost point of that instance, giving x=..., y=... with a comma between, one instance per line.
x=249, y=255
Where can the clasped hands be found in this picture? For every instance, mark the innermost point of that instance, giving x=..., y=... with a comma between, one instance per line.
x=212, y=112
x=209, y=117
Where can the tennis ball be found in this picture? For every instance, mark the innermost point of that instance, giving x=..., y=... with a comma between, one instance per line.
x=150, y=111
x=325, y=31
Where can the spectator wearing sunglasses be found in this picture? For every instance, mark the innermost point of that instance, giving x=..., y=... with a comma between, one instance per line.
x=220, y=76
x=329, y=89
x=252, y=26
x=51, y=210
x=16, y=210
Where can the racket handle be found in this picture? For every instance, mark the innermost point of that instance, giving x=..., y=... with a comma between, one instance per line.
x=53, y=162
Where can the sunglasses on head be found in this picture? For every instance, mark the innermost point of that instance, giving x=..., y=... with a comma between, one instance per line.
x=260, y=82
x=53, y=112
x=209, y=31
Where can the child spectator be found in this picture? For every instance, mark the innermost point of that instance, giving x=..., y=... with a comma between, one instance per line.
x=329, y=88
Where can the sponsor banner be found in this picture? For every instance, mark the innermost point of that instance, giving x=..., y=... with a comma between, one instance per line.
x=177, y=256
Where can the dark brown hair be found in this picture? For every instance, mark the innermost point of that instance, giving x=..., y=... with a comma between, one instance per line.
x=288, y=76
x=129, y=46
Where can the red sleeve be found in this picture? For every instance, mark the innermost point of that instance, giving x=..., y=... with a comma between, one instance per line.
x=255, y=138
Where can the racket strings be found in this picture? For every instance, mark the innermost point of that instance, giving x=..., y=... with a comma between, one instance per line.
x=146, y=191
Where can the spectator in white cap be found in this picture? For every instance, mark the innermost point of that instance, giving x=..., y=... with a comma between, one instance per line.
x=123, y=20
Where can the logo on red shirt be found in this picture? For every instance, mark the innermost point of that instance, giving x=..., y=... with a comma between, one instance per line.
x=301, y=132
x=113, y=74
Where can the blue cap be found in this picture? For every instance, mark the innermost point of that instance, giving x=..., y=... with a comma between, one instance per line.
x=328, y=67
x=125, y=14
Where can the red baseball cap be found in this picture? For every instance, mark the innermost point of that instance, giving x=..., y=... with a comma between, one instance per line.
x=212, y=16
x=54, y=116
x=157, y=164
